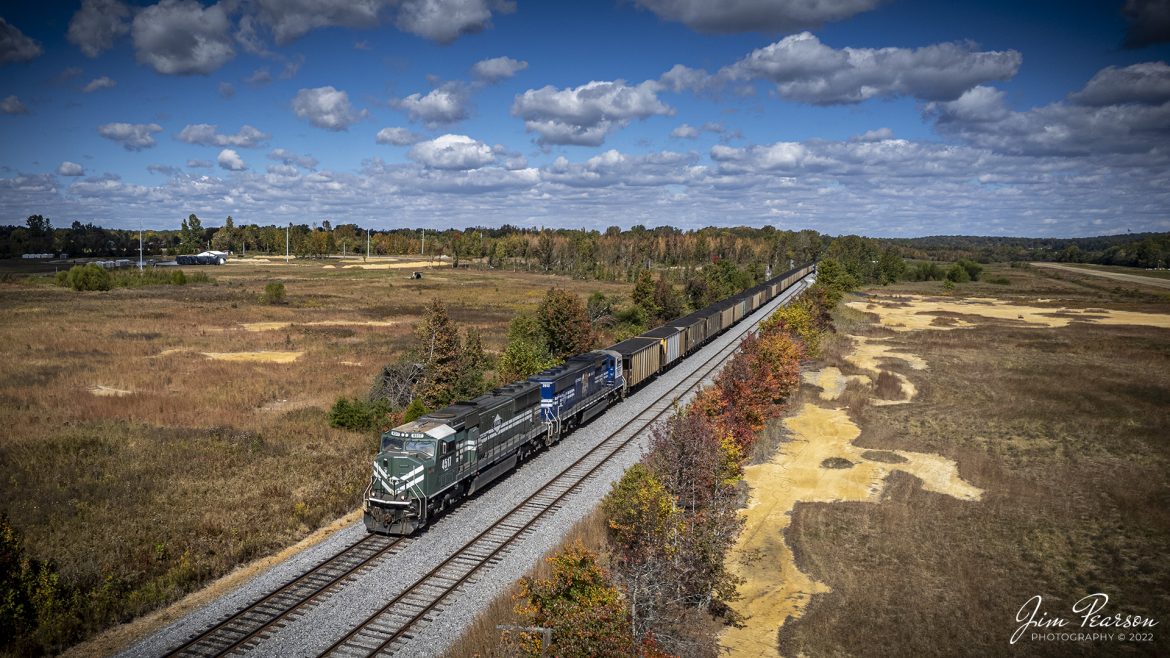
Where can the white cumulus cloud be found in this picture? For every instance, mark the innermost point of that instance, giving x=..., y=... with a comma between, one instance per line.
x=497, y=68
x=806, y=70
x=452, y=152
x=182, y=37
x=1146, y=83
x=99, y=83
x=132, y=136
x=15, y=46
x=206, y=134
x=443, y=105
x=770, y=16
x=685, y=131
x=68, y=168
x=292, y=19
x=585, y=115
x=230, y=160
x=397, y=137
x=326, y=107
x=98, y=24
x=443, y=20
x=12, y=105
x=290, y=158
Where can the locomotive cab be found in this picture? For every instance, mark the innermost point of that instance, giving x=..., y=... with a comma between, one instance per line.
x=397, y=496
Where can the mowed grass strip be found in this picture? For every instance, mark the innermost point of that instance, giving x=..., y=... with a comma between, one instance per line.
x=1066, y=430
x=197, y=464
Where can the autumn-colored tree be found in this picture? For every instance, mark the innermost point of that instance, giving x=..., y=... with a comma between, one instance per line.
x=565, y=323
x=776, y=362
x=743, y=407
x=578, y=602
x=641, y=515
x=796, y=319
x=441, y=355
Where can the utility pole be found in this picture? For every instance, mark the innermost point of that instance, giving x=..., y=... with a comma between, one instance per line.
x=367, y=244
x=139, y=245
x=286, y=242
x=423, y=251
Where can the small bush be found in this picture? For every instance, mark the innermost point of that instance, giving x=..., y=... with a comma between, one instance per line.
x=973, y=269
x=358, y=415
x=85, y=277
x=958, y=274
x=1000, y=281
x=274, y=293
x=415, y=410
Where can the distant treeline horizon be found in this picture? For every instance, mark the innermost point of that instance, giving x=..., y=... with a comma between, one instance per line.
x=610, y=254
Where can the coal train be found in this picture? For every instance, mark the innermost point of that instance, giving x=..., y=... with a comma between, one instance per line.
x=427, y=465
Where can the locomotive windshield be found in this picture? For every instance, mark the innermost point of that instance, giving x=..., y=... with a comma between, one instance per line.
x=423, y=447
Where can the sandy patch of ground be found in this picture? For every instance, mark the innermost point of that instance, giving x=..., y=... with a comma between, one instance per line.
x=108, y=391
x=390, y=266
x=273, y=326
x=911, y=313
x=775, y=589
x=329, y=267
x=168, y=352
x=868, y=353
x=351, y=363
x=265, y=326
x=118, y=638
x=262, y=356
x=831, y=382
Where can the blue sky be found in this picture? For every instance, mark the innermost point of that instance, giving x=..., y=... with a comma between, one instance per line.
x=886, y=118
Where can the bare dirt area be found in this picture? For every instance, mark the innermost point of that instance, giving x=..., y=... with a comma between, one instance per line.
x=1059, y=418
x=154, y=444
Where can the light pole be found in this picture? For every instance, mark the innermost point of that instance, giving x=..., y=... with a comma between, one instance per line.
x=140, y=245
x=286, y=242
x=367, y=244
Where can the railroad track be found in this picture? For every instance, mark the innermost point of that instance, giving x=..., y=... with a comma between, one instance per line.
x=256, y=621
x=394, y=625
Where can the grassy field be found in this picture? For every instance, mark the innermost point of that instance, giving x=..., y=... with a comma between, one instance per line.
x=1067, y=432
x=144, y=467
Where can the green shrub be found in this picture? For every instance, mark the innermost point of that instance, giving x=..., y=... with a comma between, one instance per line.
x=1000, y=281
x=415, y=410
x=85, y=277
x=274, y=292
x=973, y=269
x=958, y=274
x=358, y=415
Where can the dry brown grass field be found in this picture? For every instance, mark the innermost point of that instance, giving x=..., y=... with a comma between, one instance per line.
x=134, y=459
x=1067, y=432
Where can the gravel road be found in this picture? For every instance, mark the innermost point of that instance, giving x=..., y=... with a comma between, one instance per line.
x=1116, y=276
